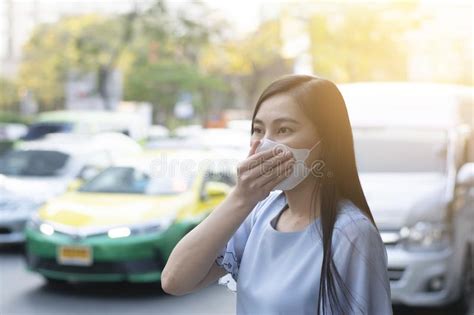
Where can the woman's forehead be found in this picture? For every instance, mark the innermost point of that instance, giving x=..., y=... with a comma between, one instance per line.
x=277, y=107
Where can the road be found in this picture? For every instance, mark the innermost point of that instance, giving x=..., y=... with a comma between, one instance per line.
x=22, y=293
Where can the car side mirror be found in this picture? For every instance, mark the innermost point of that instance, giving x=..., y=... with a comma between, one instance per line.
x=88, y=172
x=216, y=189
x=465, y=175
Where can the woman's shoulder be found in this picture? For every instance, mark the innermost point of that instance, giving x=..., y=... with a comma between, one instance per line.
x=352, y=223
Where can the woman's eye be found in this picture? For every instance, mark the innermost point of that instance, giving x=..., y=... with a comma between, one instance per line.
x=257, y=130
x=284, y=130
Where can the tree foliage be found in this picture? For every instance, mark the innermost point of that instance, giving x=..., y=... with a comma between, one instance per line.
x=361, y=42
x=163, y=54
x=80, y=43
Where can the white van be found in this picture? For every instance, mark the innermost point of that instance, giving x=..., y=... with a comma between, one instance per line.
x=88, y=121
x=414, y=150
x=34, y=171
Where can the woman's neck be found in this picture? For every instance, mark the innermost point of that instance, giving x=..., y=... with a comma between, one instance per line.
x=299, y=200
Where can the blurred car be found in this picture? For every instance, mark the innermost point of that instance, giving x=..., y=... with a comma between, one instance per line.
x=34, y=171
x=122, y=224
x=87, y=121
x=9, y=134
x=240, y=124
x=206, y=138
x=12, y=131
x=416, y=104
x=223, y=138
x=420, y=189
x=186, y=131
x=157, y=133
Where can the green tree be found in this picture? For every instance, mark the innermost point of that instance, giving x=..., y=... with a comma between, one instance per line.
x=166, y=59
x=157, y=52
x=8, y=95
x=249, y=63
x=82, y=43
x=361, y=42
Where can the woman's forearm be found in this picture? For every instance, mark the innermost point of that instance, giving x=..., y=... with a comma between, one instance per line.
x=193, y=256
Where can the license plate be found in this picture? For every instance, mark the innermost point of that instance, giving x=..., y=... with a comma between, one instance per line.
x=75, y=255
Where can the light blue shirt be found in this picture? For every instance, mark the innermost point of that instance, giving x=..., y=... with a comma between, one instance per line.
x=279, y=272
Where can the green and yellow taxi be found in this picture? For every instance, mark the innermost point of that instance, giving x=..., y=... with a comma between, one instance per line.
x=123, y=223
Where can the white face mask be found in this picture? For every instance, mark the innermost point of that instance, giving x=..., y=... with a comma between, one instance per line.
x=300, y=170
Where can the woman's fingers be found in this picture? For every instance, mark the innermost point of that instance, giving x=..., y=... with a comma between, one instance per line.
x=254, y=160
x=267, y=165
x=253, y=147
x=278, y=175
x=262, y=171
x=259, y=176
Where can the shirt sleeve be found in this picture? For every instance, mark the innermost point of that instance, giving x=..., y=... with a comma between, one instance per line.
x=361, y=260
x=230, y=255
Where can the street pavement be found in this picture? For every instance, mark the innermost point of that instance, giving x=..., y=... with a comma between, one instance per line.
x=25, y=293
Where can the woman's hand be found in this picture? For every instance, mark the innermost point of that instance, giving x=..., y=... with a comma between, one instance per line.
x=191, y=263
x=260, y=172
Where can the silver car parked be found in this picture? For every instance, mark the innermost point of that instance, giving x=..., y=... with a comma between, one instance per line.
x=34, y=171
x=420, y=188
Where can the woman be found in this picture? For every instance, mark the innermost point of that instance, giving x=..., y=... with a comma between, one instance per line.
x=296, y=232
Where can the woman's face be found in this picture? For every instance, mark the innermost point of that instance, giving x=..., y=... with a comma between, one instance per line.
x=281, y=119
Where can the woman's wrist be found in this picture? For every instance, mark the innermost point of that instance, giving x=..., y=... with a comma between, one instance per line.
x=241, y=200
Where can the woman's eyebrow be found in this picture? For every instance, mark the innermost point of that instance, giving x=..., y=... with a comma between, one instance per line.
x=286, y=119
x=278, y=121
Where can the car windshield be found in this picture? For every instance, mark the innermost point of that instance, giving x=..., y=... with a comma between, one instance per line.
x=39, y=130
x=33, y=163
x=400, y=150
x=129, y=180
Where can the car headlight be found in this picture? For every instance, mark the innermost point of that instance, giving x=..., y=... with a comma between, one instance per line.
x=425, y=236
x=46, y=229
x=36, y=223
x=119, y=232
x=147, y=228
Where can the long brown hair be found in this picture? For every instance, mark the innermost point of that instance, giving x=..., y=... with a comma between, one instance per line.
x=322, y=102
